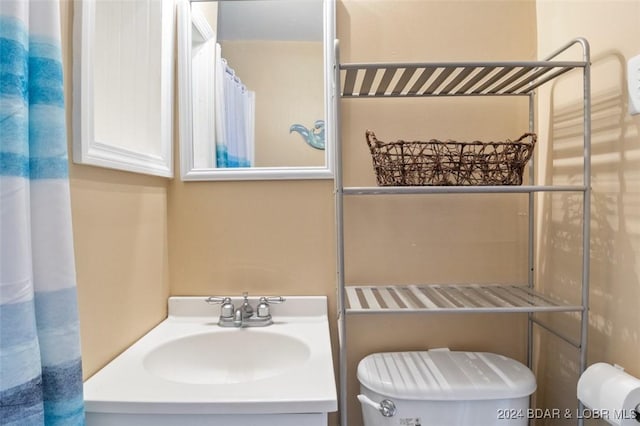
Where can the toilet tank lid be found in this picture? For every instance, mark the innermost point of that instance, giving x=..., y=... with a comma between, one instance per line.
x=445, y=375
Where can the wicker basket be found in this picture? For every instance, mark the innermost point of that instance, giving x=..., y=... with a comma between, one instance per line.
x=436, y=163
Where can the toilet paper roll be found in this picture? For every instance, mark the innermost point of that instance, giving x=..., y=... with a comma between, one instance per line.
x=611, y=393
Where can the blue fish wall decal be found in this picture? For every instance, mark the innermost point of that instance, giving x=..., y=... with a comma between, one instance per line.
x=313, y=137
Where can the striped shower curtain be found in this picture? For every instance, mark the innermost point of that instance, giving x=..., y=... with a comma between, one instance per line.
x=40, y=367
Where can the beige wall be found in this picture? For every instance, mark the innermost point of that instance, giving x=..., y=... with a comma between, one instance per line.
x=613, y=30
x=134, y=235
x=120, y=236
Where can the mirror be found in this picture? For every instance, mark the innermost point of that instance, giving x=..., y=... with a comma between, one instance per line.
x=255, y=92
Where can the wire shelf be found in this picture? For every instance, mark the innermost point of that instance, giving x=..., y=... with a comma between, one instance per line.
x=408, y=190
x=453, y=298
x=449, y=78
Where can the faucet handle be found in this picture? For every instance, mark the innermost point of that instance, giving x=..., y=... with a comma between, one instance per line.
x=226, y=311
x=217, y=300
x=263, y=305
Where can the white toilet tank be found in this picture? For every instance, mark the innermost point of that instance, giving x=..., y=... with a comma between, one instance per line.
x=444, y=388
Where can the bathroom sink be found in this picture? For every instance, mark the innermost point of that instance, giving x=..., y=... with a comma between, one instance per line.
x=189, y=370
x=226, y=356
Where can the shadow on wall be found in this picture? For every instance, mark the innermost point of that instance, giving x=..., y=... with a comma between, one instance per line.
x=615, y=233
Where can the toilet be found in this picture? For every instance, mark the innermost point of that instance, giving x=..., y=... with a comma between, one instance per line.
x=440, y=387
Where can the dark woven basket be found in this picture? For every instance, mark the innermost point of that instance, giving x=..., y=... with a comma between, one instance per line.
x=437, y=163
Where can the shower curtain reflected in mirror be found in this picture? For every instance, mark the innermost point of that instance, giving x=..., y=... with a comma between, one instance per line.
x=234, y=117
x=40, y=364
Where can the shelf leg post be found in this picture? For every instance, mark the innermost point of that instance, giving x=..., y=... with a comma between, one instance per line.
x=339, y=218
x=586, y=219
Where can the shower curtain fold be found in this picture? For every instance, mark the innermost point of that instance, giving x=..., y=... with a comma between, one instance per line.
x=40, y=363
x=235, y=118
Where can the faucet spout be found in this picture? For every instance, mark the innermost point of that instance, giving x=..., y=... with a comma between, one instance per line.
x=238, y=317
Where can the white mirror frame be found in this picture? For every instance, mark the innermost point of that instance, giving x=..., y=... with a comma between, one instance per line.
x=87, y=149
x=187, y=74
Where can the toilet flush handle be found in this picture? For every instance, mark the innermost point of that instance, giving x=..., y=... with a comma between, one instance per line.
x=386, y=407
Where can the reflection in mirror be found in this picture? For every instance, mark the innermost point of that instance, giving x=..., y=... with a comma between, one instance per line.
x=259, y=98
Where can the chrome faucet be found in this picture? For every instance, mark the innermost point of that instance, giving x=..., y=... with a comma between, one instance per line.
x=245, y=315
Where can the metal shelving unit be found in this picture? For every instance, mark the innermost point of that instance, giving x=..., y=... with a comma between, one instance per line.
x=409, y=80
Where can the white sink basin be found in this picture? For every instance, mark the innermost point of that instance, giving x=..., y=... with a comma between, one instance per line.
x=189, y=371
x=227, y=356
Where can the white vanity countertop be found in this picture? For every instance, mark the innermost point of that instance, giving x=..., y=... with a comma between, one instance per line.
x=126, y=385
